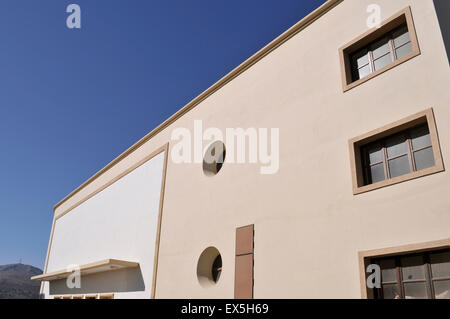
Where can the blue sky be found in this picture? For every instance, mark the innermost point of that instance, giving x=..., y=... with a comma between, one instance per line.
x=73, y=100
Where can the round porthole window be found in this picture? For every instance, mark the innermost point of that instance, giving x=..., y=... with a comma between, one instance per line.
x=209, y=267
x=214, y=158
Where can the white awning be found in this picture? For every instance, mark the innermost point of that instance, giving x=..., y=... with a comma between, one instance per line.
x=92, y=268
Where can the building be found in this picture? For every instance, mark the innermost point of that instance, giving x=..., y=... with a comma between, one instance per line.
x=362, y=114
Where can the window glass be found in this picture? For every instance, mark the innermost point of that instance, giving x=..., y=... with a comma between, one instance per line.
x=401, y=36
x=415, y=290
x=440, y=265
x=396, y=146
x=390, y=291
x=403, y=50
x=377, y=173
x=399, y=166
x=363, y=72
x=442, y=289
x=413, y=268
x=380, y=48
x=361, y=58
x=375, y=155
x=388, y=273
x=420, y=137
x=382, y=62
x=424, y=158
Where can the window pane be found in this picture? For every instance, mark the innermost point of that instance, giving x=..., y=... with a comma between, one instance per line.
x=363, y=72
x=415, y=290
x=390, y=291
x=377, y=173
x=401, y=36
x=403, y=50
x=413, y=268
x=399, y=166
x=388, y=270
x=442, y=289
x=360, y=58
x=382, y=62
x=375, y=155
x=440, y=265
x=396, y=146
x=424, y=158
x=420, y=137
x=380, y=48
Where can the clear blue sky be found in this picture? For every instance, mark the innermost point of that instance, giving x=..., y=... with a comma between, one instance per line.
x=73, y=100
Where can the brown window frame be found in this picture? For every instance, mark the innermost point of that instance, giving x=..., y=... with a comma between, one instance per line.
x=386, y=27
x=357, y=166
x=365, y=258
x=428, y=279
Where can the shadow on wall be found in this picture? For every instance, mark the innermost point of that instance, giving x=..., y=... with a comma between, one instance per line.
x=443, y=12
x=122, y=280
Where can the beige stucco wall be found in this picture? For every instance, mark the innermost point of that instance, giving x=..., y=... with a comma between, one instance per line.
x=309, y=226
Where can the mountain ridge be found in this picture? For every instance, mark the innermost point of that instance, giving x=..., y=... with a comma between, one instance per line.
x=15, y=282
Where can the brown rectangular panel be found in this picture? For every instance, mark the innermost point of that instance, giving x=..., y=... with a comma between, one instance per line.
x=244, y=240
x=243, y=281
x=243, y=284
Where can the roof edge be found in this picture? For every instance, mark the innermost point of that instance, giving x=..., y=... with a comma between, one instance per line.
x=303, y=23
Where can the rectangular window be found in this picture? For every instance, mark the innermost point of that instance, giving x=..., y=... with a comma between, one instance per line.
x=397, y=155
x=391, y=47
x=414, y=276
x=379, y=49
x=397, y=152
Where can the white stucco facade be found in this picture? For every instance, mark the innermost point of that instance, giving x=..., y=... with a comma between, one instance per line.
x=120, y=222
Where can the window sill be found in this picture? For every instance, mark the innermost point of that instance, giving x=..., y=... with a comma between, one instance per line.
x=347, y=87
x=399, y=179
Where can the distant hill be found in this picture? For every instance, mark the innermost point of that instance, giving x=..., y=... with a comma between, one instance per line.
x=15, y=282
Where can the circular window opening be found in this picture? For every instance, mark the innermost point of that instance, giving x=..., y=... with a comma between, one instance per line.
x=214, y=158
x=209, y=267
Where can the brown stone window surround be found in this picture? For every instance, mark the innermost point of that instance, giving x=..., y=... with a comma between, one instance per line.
x=387, y=29
x=358, y=144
